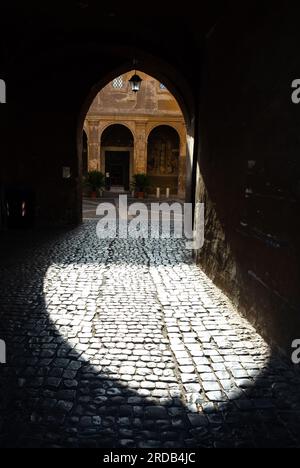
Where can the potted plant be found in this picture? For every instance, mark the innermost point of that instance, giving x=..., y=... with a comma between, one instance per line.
x=140, y=184
x=95, y=180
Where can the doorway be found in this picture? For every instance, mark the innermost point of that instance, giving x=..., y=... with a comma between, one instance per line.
x=117, y=166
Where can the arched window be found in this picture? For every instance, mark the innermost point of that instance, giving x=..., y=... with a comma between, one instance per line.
x=118, y=83
x=163, y=157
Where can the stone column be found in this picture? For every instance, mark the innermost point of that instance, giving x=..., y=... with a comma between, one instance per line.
x=182, y=166
x=140, y=149
x=94, y=146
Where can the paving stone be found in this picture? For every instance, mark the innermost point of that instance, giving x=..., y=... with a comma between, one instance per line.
x=192, y=388
x=210, y=386
x=208, y=408
x=65, y=406
x=86, y=421
x=122, y=343
x=53, y=382
x=215, y=396
x=66, y=394
x=156, y=412
x=244, y=383
x=70, y=383
x=189, y=378
x=97, y=420
x=208, y=377
x=62, y=363
x=198, y=420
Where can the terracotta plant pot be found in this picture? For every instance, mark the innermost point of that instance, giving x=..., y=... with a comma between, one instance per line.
x=93, y=195
x=140, y=195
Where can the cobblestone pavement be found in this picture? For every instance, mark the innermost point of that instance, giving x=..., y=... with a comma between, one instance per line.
x=129, y=344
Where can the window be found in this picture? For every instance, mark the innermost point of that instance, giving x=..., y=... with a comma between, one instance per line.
x=118, y=83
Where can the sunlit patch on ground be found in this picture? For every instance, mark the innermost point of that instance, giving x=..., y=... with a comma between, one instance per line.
x=128, y=343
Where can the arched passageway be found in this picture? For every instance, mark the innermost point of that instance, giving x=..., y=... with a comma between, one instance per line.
x=242, y=162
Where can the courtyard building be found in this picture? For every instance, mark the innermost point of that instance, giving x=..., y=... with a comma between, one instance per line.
x=127, y=133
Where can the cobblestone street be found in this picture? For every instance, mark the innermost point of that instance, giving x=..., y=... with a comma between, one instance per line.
x=118, y=343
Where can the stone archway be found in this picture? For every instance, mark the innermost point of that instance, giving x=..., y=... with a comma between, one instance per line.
x=176, y=84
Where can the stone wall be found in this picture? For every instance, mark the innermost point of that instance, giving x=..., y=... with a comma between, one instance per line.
x=250, y=168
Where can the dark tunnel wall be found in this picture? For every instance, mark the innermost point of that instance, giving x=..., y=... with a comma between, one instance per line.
x=250, y=164
x=54, y=65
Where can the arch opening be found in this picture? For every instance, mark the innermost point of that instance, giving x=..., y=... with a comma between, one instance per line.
x=116, y=157
x=112, y=105
x=163, y=159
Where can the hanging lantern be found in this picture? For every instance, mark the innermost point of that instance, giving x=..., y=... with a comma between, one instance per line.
x=135, y=83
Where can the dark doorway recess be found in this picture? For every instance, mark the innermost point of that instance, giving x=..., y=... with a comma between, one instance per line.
x=117, y=165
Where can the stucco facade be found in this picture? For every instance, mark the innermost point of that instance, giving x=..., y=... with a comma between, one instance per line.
x=152, y=108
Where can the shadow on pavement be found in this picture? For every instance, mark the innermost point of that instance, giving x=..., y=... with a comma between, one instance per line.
x=53, y=395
